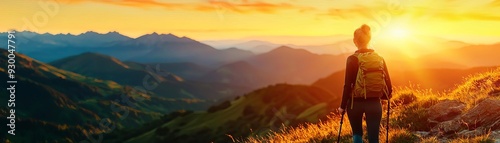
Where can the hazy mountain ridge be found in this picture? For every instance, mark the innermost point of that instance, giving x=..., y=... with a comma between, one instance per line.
x=103, y=67
x=168, y=84
x=342, y=44
x=162, y=48
x=186, y=70
x=471, y=56
x=281, y=65
x=239, y=73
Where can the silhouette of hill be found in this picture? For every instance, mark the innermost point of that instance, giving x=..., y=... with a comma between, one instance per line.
x=469, y=56
x=134, y=74
x=186, y=70
x=238, y=73
x=168, y=48
x=281, y=65
x=255, y=46
x=236, y=51
x=104, y=67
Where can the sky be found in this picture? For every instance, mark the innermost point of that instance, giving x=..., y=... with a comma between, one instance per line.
x=465, y=20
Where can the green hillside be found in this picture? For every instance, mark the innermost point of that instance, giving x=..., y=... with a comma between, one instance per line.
x=258, y=112
x=103, y=67
x=55, y=105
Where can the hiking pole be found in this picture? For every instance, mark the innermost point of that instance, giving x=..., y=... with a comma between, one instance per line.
x=342, y=121
x=340, y=128
x=387, y=126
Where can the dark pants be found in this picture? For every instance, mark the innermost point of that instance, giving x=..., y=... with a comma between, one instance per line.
x=373, y=112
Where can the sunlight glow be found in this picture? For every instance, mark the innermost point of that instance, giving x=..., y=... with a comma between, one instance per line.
x=399, y=33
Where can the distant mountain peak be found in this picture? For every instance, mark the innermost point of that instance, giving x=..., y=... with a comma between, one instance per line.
x=282, y=47
x=286, y=49
x=94, y=54
x=90, y=56
x=113, y=32
x=90, y=32
x=93, y=34
x=158, y=37
x=185, y=37
x=232, y=48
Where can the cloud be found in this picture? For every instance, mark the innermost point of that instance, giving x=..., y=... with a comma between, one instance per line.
x=245, y=6
x=238, y=6
x=449, y=10
x=216, y=30
x=347, y=13
x=457, y=14
x=130, y=3
x=453, y=10
x=495, y=3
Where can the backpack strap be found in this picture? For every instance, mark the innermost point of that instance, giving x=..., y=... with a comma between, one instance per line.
x=355, y=81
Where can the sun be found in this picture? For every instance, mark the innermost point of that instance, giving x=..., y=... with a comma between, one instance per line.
x=398, y=32
x=400, y=38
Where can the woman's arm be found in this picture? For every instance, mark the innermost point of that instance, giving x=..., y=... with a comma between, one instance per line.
x=350, y=78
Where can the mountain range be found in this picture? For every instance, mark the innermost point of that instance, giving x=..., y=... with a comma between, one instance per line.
x=149, y=48
x=281, y=65
x=168, y=48
x=166, y=84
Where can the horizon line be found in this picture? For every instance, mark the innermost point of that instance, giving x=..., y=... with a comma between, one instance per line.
x=248, y=38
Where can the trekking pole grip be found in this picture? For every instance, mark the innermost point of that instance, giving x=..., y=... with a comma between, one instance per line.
x=387, y=126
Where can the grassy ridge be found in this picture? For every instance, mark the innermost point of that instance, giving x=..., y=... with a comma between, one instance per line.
x=256, y=113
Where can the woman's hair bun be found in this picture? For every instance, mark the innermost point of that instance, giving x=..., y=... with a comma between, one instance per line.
x=362, y=35
x=365, y=28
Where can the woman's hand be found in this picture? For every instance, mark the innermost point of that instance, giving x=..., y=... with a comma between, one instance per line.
x=340, y=110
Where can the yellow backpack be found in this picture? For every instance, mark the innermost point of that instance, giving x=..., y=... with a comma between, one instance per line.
x=370, y=79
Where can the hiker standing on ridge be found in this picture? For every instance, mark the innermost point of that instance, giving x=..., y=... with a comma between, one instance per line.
x=366, y=83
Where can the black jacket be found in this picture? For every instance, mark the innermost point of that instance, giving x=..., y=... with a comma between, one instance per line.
x=351, y=74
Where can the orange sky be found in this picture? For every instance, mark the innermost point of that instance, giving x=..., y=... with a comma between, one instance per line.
x=470, y=21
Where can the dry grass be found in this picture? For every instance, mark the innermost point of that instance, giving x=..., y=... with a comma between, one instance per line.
x=324, y=130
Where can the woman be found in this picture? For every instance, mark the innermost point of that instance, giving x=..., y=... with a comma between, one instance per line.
x=367, y=102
